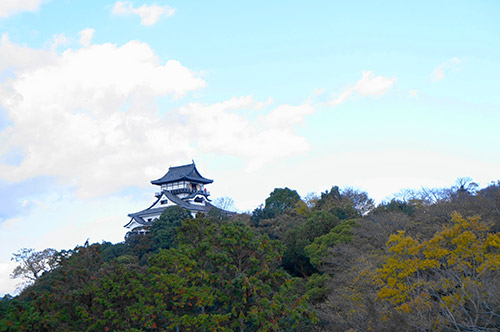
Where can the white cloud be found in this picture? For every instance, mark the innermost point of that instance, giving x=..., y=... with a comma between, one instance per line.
x=10, y=7
x=149, y=14
x=286, y=116
x=262, y=104
x=414, y=93
x=453, y=64
x=369, y=85
x=86, y=37
x=220, y=129
x=16, y=57
x=86, y=114
x=7, y=284
x=342, y=97
x=58, y=40
x=89, y=118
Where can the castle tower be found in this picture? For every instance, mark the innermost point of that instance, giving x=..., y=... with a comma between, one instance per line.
x=183, y=186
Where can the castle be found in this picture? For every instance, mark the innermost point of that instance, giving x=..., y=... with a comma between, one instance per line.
x=183, y=186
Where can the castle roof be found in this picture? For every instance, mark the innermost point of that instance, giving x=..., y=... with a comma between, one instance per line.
x=182, y=173
x=177, y=201
x=141, y=216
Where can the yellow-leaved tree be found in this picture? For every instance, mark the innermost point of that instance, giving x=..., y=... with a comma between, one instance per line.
x=451, y=281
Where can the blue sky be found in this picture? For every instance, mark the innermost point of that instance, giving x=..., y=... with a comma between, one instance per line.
x=97, y=98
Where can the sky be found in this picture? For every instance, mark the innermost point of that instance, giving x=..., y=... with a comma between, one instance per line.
x=98, y=98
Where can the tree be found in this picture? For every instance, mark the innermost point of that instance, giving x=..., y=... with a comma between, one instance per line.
x=280, y=200
x=224, y=203
x=220, y=276
x=345, y=204
x=164, y=230
x=395, y=205
x=465, y=185
x=111, y=298
x=449, y=281
x=359, y=200
x=298, y=237
x=243, y=269
x=34, y=263
x=311, y=199
x=317, y=250
x=57, y=298
x=489, y=198
x=260, y=213
x=182, y=296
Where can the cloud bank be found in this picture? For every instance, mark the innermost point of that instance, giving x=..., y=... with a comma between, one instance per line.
x=220, y=129
x=149, y=14
x=11, y=7
x=89, y=118
x=86, y=37
x=368, y=85
x=88, y=115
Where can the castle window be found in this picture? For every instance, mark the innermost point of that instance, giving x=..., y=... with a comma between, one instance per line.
x=198, y=199
x=164, y=201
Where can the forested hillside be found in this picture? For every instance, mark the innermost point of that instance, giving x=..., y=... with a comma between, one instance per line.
x=427, y=260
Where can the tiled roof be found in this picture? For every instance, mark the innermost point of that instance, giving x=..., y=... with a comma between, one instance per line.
x=194, y=194
x=139, y=220
x=138, y=216
x=186, y=205
x=181, y=173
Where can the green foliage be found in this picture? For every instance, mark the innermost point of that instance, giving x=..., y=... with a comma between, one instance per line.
x=138, y=245
x=213, y=273
x=221, y=277
x=278, y=202
x=395, y=205
x=317, y=250
x=329, y=195
x=316, y=286
x=217, y=215
x=345, y=204
x=244, y=270
x=164, y=230
x=296, y=239
x=359, y=200
x=110, y=251
x=182, y=294
x=260, y=213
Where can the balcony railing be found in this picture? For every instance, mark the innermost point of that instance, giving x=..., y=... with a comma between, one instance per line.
x=189, y=191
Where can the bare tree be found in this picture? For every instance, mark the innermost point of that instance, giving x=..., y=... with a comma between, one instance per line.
x=359, y=200
x=465, y=184
x=34, y=263
x=311, y=199
x=224, y=203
